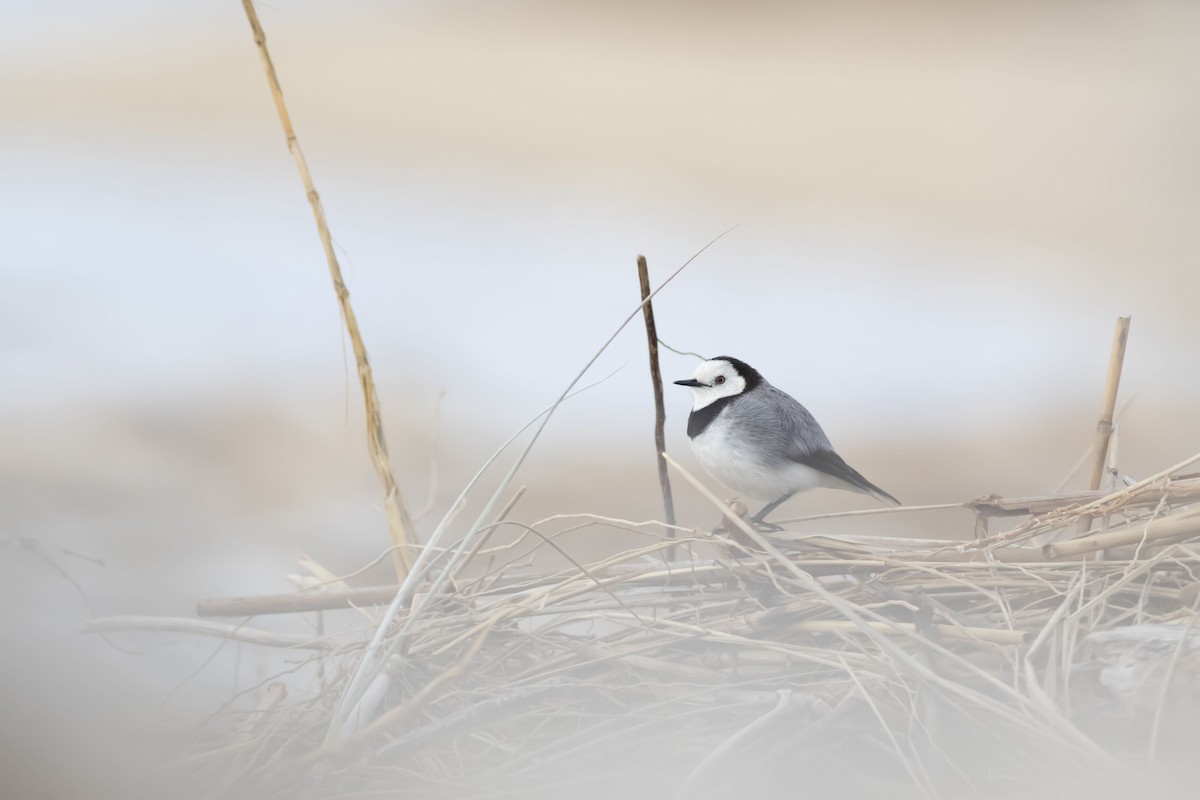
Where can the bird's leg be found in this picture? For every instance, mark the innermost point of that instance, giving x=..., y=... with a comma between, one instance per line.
x=760, y=517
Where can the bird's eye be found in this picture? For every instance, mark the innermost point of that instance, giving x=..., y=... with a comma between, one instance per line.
x=720, y=379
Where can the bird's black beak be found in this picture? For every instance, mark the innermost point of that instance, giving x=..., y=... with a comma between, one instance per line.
x=689, y=382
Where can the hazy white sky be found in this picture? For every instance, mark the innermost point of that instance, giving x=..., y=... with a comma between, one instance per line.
x=941, y=216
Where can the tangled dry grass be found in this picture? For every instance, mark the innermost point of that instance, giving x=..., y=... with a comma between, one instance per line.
x=1025, y=663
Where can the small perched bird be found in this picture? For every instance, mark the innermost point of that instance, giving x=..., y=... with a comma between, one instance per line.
x=760, y=442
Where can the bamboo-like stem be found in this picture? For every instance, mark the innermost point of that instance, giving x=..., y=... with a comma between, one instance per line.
x=1104, y=427
x=1101, y=506
x=660, y=414
x=399, y=522
x=1159, y=531
x=996, y=506
x=294, y=602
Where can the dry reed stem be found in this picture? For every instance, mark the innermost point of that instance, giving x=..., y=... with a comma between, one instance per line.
x=400, y=525
x=235, y=633
x=660, y=414
x=1104, y=428
x=294, y=602
x=1054, y=519
x=1160, y=531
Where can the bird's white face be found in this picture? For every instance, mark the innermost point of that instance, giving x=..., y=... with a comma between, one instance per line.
x=713, y=380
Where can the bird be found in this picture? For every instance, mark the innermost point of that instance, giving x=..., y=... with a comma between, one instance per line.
x=759, y=441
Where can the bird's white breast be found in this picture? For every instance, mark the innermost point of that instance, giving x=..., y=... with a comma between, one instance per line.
x=737, y=466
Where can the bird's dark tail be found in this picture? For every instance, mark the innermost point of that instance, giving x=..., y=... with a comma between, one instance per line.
x=835, y=466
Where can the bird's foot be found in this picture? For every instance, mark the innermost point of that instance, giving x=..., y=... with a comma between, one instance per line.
x=737, y=510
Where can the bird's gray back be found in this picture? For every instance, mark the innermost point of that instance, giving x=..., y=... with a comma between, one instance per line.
x=774, y=423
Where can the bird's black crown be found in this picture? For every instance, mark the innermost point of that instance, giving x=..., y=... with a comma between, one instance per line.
x=748, y=373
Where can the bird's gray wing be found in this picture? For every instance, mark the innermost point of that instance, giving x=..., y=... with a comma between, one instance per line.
x=805, y=442
x=802, y=434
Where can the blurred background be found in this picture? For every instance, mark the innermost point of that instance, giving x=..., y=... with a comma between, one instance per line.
x=943, y=208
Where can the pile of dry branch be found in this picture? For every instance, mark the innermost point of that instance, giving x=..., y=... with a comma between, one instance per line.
x=1029, y=660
